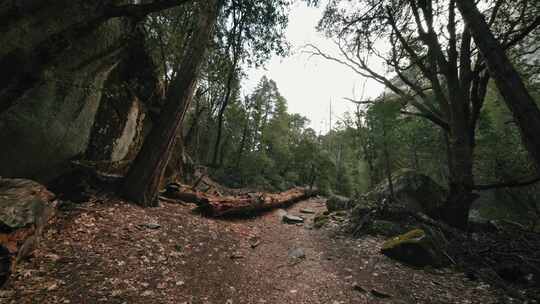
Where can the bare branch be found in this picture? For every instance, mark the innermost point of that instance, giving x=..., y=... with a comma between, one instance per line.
x=512, y=184
x=141, y=10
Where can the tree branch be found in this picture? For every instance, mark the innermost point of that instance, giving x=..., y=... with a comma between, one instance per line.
x=141, y=10
x=512, y=184
x=523, y=33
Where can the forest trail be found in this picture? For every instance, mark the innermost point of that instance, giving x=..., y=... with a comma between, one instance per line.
x=108, y=251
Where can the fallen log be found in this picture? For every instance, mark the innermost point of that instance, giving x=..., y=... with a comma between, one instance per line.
x=239, y=205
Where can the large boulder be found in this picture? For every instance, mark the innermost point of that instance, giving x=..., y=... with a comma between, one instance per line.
x=25, y=208
x=414, y=192
x=56, y=77
x=338, y=202
x=418, y=247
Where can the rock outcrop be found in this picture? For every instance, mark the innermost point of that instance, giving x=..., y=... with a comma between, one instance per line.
x=52, y=72
x=56, y=65
x=122, y=119
x=25, y=209
x=413, y=191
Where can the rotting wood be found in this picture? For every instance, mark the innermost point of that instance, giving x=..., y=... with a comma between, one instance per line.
x=241, y=204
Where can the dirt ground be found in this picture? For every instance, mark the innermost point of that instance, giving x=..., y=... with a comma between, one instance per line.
x=108, y=251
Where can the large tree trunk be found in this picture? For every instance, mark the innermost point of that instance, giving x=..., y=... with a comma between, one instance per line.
x=509, y=83
x=460, y=165
x=143, y=179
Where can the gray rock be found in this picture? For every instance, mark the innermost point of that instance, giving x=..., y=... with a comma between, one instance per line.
x=380, y=294
x=414, y=192
x=307, y=211
x=151, y=225
x=292, y=219
x=338, y=202
x=297, y=253
x=24, y=202
x=359, y=287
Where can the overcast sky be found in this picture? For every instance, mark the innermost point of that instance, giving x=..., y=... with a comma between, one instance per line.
x=309, y=83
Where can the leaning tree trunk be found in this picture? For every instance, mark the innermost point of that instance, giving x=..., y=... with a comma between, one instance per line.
x=509, y=83
x=143, y=179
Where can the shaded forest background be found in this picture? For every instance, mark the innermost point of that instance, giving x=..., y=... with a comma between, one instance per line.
x=102, y=80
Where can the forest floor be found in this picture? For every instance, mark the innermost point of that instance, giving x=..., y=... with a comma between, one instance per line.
x=108, y=251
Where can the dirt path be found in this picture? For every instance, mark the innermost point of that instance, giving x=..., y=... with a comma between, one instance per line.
x=111, y=252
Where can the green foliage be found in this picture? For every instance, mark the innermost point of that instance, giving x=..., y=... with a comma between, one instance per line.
x=265, y=146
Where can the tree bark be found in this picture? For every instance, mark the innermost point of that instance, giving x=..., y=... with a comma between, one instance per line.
x=242, y=144
x=244, y=204
x=508, y=80
x=221, y=115
x=143, y=179
x=460, y=165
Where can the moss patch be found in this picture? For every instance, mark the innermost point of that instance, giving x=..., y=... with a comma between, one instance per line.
x=320, y=220
x=413, y=236
x=415, y=248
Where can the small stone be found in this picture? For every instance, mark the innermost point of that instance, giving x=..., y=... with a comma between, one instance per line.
x=307, y=211
x=151, y=225
x=380, y=294
x=180, y=283
x=359, y=288
x=297, y=253
x=292, y=219
x=236, y=255
x=147, y=293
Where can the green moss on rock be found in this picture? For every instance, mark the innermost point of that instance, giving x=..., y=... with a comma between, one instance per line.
x=413, y=236
x=416, y=248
